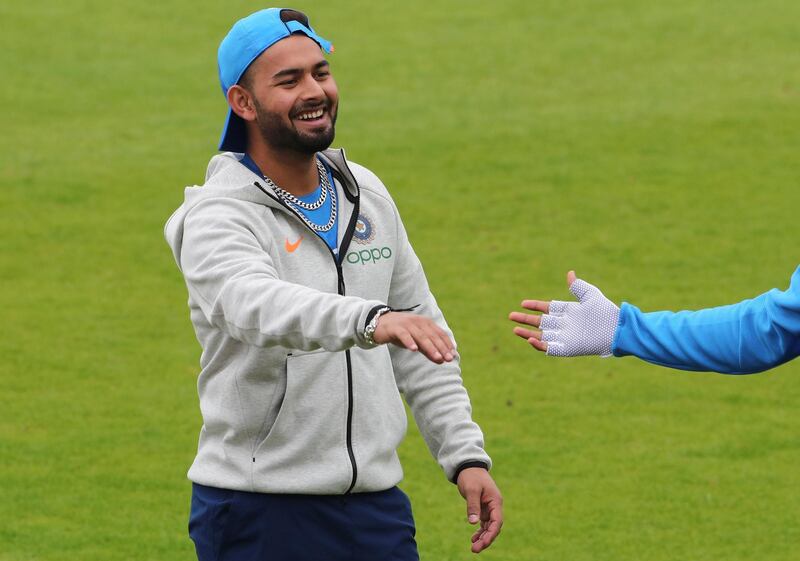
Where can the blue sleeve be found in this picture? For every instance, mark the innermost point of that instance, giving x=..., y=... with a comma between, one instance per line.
x=742, y=338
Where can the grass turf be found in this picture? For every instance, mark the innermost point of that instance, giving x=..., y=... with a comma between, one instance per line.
x=650, y=146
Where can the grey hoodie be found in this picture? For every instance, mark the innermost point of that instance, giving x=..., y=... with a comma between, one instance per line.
x=293, y=399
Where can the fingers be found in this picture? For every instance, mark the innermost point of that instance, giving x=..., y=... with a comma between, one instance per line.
x=472, y=494
x=529, y=319
x=536, y=305
x=415, y=333
x=539, y=340
x=433, y=343
x=544, y=321
x=406, y=340
x=532, y=337
x=484, y=504
x=527, y=333
x=485, y=535
x=538, y=344
x=491, y=520
x=443, y=343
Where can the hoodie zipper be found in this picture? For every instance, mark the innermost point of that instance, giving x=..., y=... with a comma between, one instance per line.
x=348, y=235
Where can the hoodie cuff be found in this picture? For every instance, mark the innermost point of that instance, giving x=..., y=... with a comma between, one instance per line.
x=624, y=311
x=366, y=316
x=465, y=465
x=373, y=311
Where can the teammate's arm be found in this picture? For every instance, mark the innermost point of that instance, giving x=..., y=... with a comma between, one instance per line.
x=751, y=336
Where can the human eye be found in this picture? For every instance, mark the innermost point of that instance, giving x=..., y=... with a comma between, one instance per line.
x=322, y=71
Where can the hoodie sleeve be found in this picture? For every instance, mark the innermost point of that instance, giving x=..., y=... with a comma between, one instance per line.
x=435, y=392
x=751, y=336
x=234, y=281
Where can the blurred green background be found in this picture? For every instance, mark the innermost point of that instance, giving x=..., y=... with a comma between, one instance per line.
x=651, y=146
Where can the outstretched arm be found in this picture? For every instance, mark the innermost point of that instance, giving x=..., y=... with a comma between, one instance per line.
x=236, y=285
x=751, y=336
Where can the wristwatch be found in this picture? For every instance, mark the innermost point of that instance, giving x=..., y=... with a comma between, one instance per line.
x=372, y=323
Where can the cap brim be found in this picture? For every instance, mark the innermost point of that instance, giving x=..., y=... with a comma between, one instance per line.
x=297, y=27
x=234, y=135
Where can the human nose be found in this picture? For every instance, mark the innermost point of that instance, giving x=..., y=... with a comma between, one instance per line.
x=312, y=90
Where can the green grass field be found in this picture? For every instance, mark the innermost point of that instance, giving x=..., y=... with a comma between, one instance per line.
x=651, y=146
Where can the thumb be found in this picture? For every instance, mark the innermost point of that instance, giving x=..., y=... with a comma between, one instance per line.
x=571, y=278
x=473, y=497
x=582, y=290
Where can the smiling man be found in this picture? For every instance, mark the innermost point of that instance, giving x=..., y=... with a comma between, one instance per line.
x=314, y=316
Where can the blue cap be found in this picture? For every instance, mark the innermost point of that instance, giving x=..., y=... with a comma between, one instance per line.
x=247, y=39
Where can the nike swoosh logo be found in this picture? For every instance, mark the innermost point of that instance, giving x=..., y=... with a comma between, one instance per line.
x=290, y=247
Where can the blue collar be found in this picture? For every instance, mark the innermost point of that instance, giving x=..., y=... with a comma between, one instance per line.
x=248, y=162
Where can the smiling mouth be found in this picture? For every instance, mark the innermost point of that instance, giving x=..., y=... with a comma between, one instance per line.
x=311, y=115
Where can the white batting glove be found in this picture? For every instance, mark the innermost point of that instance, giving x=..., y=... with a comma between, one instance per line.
x=581, y=328
x=585, y=327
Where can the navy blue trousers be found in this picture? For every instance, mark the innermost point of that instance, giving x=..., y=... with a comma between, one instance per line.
x=228, y=525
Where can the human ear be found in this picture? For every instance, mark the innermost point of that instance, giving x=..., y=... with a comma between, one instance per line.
x=241, y=102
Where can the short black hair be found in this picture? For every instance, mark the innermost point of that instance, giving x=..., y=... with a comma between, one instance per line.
x=287, y=15
x=294, y=15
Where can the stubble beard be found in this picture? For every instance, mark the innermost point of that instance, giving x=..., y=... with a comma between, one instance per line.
x=280, y=136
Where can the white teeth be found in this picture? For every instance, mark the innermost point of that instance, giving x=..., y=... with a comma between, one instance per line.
x=308, y=116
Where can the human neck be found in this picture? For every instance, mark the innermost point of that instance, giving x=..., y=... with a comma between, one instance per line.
x=290, y=170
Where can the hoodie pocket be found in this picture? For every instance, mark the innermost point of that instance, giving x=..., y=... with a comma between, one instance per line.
x=274, y=409
x=311, y=422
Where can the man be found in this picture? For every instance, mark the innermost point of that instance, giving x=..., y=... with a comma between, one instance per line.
x=751, y=336
x=299, y=274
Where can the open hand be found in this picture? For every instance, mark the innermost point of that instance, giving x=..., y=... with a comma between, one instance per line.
x=415, y=333
x=585, y=327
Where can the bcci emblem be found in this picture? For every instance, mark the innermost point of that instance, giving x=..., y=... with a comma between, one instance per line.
x=365, y=231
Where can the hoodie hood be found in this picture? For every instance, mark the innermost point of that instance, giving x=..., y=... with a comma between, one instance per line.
x=226, y=177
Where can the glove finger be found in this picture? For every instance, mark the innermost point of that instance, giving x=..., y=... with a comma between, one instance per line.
x=556, y=349
x=557, y=307
x=548, y=336
x=582, y=289
x=549, y=322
